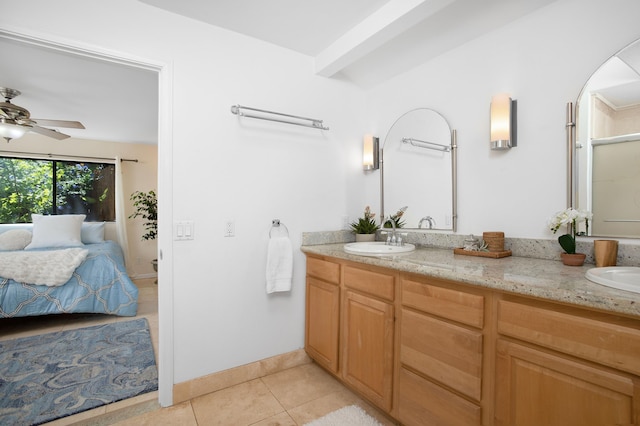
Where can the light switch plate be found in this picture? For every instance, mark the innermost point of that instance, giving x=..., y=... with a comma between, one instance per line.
x=183, y=230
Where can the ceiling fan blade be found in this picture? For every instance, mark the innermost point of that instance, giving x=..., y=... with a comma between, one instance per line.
x=60, y=123
x=48, y=132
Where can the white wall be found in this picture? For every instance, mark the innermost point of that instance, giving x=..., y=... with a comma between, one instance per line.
x=224, y=168
x=543, y=60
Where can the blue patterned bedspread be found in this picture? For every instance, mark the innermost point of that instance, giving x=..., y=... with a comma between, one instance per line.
x=99, y=285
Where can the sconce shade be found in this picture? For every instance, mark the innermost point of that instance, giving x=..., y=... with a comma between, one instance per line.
x=11, y=131
x=370, y=148
x=503, y=122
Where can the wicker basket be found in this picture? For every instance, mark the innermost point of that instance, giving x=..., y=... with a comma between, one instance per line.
x=494, y=240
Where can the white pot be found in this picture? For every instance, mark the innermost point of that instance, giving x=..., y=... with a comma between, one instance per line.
x=365, y=237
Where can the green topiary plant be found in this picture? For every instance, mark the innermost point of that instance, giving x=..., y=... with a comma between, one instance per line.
x=366, y=224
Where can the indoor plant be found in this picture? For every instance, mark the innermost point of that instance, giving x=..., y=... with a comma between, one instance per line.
x=396, y=218
x=146, y=206
x=365, y=228
x=572, y=218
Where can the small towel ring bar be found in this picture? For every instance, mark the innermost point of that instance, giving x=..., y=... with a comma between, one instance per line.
x=427, y=145
x=275, y=224
x=314, y=123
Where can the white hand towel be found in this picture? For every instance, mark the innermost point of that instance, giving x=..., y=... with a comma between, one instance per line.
x=279, y=264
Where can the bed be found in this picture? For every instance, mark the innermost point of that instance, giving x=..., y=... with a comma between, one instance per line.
x=99, y=284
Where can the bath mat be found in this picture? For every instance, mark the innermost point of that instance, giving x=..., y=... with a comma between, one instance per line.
x=54, y=375
x=351, y=415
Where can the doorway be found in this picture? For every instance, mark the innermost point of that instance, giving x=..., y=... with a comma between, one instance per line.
x=95, y=57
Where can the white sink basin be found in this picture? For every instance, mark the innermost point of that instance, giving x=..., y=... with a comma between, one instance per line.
x=377, y=248
x=620, y=277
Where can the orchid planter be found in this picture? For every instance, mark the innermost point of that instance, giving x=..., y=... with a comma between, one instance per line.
x=573, y=259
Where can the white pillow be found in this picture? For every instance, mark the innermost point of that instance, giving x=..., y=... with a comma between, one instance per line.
x=92, y=232
x=15, y=239
x=56, y=231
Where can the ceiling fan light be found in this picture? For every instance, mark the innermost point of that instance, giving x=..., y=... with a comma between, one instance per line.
x=12, y=131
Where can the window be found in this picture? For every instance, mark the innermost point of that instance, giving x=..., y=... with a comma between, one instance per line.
x=56, y=187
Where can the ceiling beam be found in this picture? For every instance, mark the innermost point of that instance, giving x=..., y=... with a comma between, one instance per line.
x=383, y=25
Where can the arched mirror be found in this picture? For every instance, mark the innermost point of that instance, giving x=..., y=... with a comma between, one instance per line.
x=418, y=171
x=606, y=150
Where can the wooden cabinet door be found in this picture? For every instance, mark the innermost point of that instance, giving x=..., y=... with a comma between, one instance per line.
x=367, y=360
x=322, y=323
x=536, y=387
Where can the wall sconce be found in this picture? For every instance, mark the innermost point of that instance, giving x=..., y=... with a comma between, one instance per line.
x=503, y=122
x=370, y=152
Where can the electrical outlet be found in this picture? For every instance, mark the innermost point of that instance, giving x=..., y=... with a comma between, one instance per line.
x=230, y=228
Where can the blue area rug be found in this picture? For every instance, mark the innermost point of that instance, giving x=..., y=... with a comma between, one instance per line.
x=46, y=377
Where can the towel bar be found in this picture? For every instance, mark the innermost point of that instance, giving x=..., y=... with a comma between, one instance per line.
x=264, y=114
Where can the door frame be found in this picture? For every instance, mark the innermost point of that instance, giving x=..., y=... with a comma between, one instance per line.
x=165, y=173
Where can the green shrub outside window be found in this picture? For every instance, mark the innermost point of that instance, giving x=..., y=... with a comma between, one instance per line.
x=56, y=187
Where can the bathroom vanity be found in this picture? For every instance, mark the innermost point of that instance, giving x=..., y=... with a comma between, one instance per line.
x=436, y=338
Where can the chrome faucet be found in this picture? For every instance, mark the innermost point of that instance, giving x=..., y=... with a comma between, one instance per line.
x=391, y=239
x=430, y=222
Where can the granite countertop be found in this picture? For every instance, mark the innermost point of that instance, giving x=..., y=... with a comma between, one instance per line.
x=544, y=279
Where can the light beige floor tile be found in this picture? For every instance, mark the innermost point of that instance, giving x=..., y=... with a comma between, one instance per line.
x=298, y=385
x=239, y=405
x=281, y=419
x=176, y=415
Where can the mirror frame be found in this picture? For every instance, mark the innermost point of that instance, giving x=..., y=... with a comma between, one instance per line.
x=571, y=137
x=454, y=173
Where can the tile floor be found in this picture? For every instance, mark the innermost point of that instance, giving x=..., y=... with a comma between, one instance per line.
x=288, y=398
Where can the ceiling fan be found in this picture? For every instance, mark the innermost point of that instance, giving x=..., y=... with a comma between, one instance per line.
x=15, y=121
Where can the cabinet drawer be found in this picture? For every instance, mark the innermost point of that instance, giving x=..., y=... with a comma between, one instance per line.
x=616, y=344
x=448, y=303
x=374, y=283
x=447, y=353
x=423, y=403
x=323, y=269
